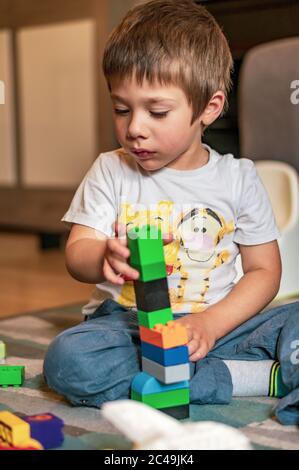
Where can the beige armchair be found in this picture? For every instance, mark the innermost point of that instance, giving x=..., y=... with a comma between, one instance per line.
x=269, y=134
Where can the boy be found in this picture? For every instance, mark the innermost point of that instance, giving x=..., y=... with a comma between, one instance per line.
x=167, y=66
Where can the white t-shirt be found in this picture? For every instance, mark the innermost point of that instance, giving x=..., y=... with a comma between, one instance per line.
x=209, y=211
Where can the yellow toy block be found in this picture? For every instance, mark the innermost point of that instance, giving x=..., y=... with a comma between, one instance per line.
x=16, y=432
x=166, y=336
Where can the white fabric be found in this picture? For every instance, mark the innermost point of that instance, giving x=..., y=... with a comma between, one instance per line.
x=149, y=428
x=209, y=210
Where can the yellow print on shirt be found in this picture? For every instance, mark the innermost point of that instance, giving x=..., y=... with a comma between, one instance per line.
x=191, y=256
x=199, y=231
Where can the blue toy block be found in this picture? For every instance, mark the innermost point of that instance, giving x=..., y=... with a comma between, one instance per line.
x=166, y=357
x=145, y=384
x=47, y=429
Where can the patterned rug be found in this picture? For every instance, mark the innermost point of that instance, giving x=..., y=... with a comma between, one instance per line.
x=27, y=338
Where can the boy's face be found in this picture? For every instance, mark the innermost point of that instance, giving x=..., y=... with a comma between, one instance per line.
x=153, y=124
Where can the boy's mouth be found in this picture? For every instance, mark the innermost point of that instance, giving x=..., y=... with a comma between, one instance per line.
x=142, y=153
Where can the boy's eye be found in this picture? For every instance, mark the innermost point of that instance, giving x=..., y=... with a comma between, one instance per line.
x=159, y=115
x=155, y=114
x=121, y=111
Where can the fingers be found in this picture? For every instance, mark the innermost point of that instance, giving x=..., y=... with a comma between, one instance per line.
x=198, y=349
x=194, y=343
x=116, y=268
x=199, y=353
x=120, y=231
x=167, y=238
x=118, y=250
x=110, y=275
x=193, y=346
x=197, y=346
x=118, y=272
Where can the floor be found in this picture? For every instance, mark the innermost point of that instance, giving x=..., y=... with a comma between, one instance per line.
x=33, y=280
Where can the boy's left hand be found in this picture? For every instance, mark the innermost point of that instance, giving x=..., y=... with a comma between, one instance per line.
x=200, y=334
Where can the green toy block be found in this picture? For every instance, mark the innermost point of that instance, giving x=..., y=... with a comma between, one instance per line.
x=147, y=255
x=2, y=352
x=11, y=375
x=150, y=272
x=164, y=399
x=150, y=319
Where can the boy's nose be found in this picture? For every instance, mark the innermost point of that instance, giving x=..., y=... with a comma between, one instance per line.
x=136, y=129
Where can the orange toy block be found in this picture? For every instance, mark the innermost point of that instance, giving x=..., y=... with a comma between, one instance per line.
x=165, y=336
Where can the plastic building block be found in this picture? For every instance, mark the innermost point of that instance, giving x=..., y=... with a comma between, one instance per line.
x=164, y=350
x=145, y=384
x=150, y=319
x=47, y=429
x=2, y=352
x=147, y=255
x=177, y=412
x=151, y=272
x=15, y=431
x=152, y=295
x=11, y=375
x=165, y=336
x=164, y=399
x=167, y=375
x=165, y=357
x=4, y=446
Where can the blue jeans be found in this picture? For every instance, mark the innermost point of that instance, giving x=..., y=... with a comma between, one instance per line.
x=96, y=361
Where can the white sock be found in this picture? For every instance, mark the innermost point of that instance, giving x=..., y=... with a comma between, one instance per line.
x=250, y=378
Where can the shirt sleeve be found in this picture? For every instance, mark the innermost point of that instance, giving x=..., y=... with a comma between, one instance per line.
x=94, y=203
x=255, y=222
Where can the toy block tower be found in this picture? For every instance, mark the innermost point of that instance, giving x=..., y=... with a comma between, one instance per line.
x=164, y=380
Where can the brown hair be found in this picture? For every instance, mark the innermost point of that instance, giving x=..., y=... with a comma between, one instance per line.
x=175, y=42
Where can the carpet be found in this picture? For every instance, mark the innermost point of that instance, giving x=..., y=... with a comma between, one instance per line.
x=27, y=338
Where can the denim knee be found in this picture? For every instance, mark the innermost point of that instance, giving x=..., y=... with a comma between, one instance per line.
x=90, y=364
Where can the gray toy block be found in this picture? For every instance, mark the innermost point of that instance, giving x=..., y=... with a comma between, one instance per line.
x=167, y=375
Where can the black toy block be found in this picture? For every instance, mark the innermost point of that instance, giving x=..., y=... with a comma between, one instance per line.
x=178, y=412
x=152, y=295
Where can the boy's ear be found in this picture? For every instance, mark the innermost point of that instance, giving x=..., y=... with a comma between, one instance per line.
x=213, y=109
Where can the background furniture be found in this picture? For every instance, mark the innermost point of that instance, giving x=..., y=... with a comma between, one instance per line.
x=246, y=24
x=268, y=119
x=269, y=124
x=56, y=118
x=24, y=27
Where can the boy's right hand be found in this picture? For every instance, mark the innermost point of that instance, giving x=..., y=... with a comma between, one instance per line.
x=116, y=268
